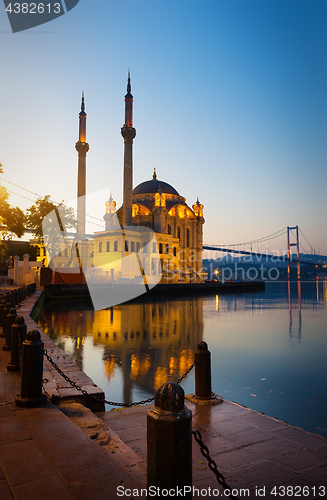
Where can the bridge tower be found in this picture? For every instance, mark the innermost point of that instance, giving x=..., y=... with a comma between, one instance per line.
x=289, y=245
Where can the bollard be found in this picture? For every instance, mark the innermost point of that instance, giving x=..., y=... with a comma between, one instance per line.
x=2, y=306
x=9, y=320
x=12, y=298
x=32, y=370
x=169, y=440
x=202, y=371
x=5, y=311
x=18, y=336
x=16, y=301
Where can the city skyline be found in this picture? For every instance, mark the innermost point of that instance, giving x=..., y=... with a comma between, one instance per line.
x=229, y=105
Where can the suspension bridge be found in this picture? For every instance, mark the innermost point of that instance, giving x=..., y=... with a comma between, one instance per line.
x=284, y=255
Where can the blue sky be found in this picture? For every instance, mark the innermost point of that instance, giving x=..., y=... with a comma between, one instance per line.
x=229, y=105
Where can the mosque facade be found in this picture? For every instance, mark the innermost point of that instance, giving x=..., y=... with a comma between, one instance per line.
x=156, y=205
x=153, y=207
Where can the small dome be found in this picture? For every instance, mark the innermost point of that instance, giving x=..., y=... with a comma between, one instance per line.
x=153, y=186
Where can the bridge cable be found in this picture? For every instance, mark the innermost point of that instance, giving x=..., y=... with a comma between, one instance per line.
x=265, y=238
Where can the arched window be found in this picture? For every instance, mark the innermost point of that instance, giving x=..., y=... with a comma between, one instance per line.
x=115, y=246
x=169, y=229
x=160, y=247
x=175, y=251
x=126, y=246
x=166, y=248
x=108, y=246
x=179, y=233
x=187, y=237
x=138, y=246
x=100, y=246
x=132, y=246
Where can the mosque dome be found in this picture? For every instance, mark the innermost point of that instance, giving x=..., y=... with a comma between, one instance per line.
x=153, y=186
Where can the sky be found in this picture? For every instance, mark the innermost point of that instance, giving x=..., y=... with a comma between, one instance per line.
x=230, y=105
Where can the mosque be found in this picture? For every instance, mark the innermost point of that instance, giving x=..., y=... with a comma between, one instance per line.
x=153, y=204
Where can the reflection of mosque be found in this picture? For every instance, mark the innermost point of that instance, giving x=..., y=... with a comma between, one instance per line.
x=150, y=342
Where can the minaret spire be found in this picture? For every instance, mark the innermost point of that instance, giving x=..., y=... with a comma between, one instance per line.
x=83, y=103
x=129, y=88
x=128, y=133
x=82, y=148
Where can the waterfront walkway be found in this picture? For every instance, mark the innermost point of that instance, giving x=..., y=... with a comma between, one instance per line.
x=50, y=454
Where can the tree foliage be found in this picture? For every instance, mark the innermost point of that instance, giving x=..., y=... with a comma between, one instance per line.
x=41, y=208
x=12, y=219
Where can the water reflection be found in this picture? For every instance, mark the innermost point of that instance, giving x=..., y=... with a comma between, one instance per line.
x=291, y=331
x=268, y=348
x=148, y=342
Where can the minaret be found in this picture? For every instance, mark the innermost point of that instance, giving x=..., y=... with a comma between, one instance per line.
x=82, y=147
x=128, y=132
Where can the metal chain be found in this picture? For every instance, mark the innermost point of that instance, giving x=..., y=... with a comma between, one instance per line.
x=185, y=374
x=94, y=396
x=211, y=463
x=20, y=350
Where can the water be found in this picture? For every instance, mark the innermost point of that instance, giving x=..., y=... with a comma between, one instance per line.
x=268, y=349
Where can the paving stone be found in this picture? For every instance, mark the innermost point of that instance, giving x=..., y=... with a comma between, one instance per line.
x=307, y=439
x=23, y=462
x=140, y=448
x=50, y=488
x=232, y=409
x=131, y=434
x=233, y=460
x=5, y=493
x=250, y=436
x=322, y=450
x=301, y=460
x=121, y=423
x=274, y=447
x=263, y=421
x=75, y=456
x=104, y=488
x=11, y=430
x=230, y=425
x=318, y=475
x=263, y=474
x=5, y=410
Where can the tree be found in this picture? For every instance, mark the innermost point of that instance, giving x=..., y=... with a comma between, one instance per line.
x=44, y=206
x=12, y=219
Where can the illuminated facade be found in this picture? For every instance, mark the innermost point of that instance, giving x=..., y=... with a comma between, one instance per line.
x=157, y=205
x=153, y=204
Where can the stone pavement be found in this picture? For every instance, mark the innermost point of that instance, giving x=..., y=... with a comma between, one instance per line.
x=50, y=454
x=251, y=450
x=46, y=456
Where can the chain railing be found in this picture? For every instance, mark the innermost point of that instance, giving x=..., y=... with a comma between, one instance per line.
x=94, y=396
x=20, y=351
x=212, y=464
